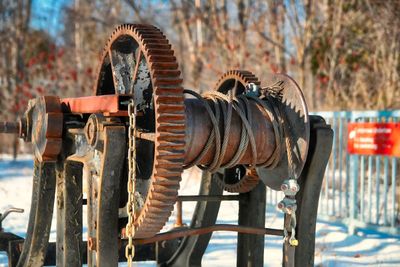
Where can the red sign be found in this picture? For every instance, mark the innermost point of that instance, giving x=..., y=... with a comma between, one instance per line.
x=374, y=139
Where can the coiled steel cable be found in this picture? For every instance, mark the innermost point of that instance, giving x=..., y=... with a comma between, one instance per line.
x=241, y=105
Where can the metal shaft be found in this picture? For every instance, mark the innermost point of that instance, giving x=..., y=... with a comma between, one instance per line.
x=10, y=127
x=199, y=128
x=205, y=230
x=210, y=198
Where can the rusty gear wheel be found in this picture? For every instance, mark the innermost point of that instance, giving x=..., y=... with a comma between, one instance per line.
x=138, y=60
x=238, y=179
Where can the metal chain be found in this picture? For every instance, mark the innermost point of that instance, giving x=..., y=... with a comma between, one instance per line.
x=130, y=227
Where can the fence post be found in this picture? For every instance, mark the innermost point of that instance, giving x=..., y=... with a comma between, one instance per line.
x=353, y=192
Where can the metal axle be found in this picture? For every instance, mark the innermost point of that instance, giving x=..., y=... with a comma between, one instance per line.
x=198, y=126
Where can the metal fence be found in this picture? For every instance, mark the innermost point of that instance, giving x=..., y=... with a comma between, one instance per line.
x=361, y=191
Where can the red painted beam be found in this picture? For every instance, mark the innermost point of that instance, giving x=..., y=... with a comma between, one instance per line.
x=107, y=104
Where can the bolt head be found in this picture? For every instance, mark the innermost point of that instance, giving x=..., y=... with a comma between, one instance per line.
x=284, y=187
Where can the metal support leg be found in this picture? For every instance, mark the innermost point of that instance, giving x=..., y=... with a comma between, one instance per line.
x=108, y=201
x=250, y=248
x=69, y=214
x=35, y=245
x=307, y=198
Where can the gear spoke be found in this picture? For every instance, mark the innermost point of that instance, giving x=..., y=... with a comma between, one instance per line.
x=137, y=62
x=145, y=136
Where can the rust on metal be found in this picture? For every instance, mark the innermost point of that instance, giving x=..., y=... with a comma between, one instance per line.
x=179, y=221
x=245, y=184
x=145, y=136
x=45, y=126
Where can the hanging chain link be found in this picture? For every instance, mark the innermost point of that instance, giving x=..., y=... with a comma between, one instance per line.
x=130, y=227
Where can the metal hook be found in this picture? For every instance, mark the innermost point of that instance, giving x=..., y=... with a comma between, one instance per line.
x=10, y=210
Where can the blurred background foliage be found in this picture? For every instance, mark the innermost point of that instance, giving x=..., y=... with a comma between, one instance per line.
x=343, y=53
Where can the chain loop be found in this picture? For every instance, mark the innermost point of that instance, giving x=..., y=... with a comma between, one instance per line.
x=130, y=206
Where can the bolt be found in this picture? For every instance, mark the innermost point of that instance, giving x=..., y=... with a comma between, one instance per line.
x=284, y=187
x=295, y=188
x=290, y=187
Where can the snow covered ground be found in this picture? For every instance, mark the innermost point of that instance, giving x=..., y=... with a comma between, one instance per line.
x=334, y=246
